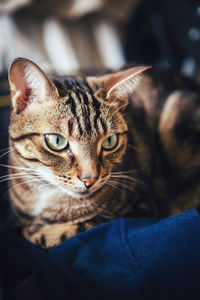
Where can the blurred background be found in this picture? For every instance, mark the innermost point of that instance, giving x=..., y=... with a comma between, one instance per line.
x=65, y=36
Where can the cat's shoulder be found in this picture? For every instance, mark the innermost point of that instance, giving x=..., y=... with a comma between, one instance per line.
x=168, y=79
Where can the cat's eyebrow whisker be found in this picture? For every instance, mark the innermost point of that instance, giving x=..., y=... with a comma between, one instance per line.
x=111, y=106
x=117, y=111
x=122, y=116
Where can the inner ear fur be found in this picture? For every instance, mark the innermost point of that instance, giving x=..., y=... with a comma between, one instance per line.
x=123, y=83
x=118, y=86
x=28, y=83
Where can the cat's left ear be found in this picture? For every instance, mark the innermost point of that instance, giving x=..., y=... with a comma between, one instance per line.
x=120, y=85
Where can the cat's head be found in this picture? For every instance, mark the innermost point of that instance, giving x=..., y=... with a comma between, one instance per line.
x=70, y=130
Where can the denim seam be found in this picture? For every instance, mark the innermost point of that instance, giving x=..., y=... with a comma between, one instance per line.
x=135, y=266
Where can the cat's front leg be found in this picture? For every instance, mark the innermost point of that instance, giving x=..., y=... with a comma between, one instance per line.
x=47, y=236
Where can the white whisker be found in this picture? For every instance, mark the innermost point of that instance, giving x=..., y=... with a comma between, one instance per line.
x=120, y=184
x=28, y=170
x=24, y=182
x=10, y=178
x=16, y=168
x=124, y=172
x=114, y=185
x=117, y=111
x=132, y=147
x=111, y=106
x=122, y=116
x=19, y=173
x=4, y=149
x=8, y=150
x=126, y=177
x=120, y=176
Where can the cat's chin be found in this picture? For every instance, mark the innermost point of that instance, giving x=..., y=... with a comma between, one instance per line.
x=80, y=194
x=77, y=195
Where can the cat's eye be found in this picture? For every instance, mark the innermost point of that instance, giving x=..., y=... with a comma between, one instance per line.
x=110, y=143
x=56, y=142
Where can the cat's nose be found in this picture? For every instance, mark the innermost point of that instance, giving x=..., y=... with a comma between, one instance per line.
x=89, y=181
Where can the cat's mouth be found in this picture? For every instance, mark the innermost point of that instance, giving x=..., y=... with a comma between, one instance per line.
x=77, y=194
x=83, y=193
x=92, y=191
x=96, y=188
x=86, y=193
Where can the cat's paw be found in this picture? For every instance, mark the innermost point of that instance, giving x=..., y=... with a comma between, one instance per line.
x=48, y=236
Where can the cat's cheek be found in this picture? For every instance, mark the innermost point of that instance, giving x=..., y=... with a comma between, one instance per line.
x=114, y=158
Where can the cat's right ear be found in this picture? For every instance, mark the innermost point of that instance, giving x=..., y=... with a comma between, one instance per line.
x=28, y=83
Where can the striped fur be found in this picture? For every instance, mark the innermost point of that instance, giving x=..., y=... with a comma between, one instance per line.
x=153, y=171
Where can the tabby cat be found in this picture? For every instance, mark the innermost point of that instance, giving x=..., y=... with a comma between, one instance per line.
x=85, y=150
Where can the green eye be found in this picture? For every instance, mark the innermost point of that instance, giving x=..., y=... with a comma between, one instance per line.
x=56, y=142
x=110, y=143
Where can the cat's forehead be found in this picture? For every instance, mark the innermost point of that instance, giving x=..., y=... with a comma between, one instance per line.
x=83, y=114
x=78, y=110
x=66, y=84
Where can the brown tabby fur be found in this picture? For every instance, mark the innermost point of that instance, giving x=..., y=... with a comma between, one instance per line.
x=153, y=171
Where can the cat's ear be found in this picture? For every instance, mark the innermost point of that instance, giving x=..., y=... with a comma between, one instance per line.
x=121, y=84
x=28, y=83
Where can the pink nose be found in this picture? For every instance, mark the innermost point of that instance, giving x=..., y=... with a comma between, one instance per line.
x=88, y=181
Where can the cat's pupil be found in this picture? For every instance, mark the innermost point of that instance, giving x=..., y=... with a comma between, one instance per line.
x=56, y=142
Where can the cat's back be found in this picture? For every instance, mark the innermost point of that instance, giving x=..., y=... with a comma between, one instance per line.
x=157, y=87
x=159, y=83
x=164, y=127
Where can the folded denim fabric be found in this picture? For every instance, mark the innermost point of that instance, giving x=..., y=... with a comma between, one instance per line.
x=123, y=259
